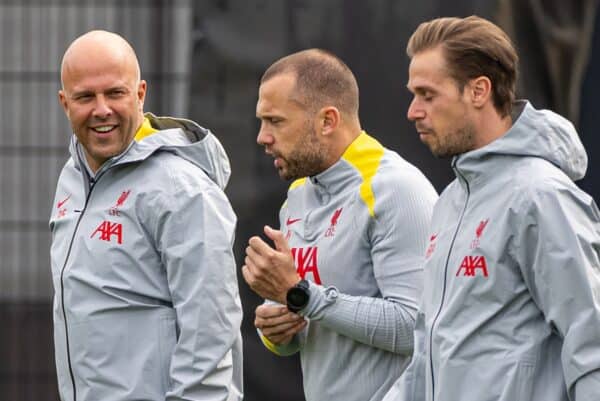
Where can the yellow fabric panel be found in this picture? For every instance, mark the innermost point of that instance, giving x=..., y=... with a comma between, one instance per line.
x=145, y=130
x=365, y=154
x=270, y=346
x=297, y=183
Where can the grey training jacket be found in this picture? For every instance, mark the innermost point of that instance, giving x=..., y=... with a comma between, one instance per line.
x=357, y=232
x=511, y=305
x=146, y=302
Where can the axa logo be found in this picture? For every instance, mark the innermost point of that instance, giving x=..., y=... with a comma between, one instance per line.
x=479, y=233
x=114, y=211
x=306, y=262
x=431, y=247
x=330, y=232
x=62, y=211
x=472, y=266
x=107, y=230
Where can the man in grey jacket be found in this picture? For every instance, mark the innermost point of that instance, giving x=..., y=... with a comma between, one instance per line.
x=146, y=302
x=511, y=302
x=345, y=267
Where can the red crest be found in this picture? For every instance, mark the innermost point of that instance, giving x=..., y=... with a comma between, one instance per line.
x=481, y=227
x=336, y=216
x=123, y=198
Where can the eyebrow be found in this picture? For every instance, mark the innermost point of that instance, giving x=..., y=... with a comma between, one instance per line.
x=268, y=115
x=421, y=89
x=89, y=91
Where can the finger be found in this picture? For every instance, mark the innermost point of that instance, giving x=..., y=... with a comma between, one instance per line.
x=247, y=274
x=278, y=329
x=278, y=238
x=278, y=321
x=260, y=247
x=280, y=340
x=266, y=311
x=253, y=257
x=286, y=337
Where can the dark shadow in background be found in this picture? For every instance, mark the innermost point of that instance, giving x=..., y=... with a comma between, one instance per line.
x=235, y=41
x=590, y=117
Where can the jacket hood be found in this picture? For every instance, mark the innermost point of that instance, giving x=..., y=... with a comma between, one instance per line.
x=536, y=133
x=180, y=136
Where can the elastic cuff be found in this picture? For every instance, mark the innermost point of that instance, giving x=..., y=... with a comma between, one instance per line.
x=319, y=297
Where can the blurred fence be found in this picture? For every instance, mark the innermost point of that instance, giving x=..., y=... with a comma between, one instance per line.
x=34, y=134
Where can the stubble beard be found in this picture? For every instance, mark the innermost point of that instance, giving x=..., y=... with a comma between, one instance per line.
x=306, y=159
x=453, y=143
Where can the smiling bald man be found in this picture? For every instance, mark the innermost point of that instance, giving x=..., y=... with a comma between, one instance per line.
x=146, y=302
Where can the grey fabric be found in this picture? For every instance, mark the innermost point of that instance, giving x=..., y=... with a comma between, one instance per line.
x=147, y=304
x=511, y=305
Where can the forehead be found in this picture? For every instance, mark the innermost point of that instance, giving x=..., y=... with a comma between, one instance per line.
x=428, y=70
x=97, y=69
x=276, y=95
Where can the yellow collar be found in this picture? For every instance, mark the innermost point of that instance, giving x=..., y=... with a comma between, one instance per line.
x=145, y=130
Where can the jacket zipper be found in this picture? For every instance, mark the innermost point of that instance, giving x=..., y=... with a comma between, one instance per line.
x=62, y=289
x=437, y=315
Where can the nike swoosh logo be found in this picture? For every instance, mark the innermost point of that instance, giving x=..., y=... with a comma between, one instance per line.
x=289, y=221
x=62, y=202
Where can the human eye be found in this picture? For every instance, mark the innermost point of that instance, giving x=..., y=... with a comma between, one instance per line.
x=82, y=97
x=428, y=96
x=117, y=92
x=273, y=120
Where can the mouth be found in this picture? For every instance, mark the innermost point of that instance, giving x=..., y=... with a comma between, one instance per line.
x=104, y=130
x=277, y=160
x=423, y=131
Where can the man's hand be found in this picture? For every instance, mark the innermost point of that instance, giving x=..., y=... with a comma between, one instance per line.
x=270, y=272
x=277, y=323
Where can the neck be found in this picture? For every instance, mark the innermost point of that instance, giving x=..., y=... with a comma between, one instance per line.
x=342, y=139
x=490, y=126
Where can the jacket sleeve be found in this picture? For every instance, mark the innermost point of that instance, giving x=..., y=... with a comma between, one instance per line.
x=411, y=384
x=194, y=236
x=281, y=350
x=558, y=251
x=397, y=234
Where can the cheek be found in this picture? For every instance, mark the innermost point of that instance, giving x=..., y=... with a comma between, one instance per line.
x=444, y=118
x=76, y=116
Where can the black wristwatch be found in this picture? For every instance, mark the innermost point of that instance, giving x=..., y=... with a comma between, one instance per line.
x=297, y=297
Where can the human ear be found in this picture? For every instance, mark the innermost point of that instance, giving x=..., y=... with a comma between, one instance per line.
x=141, y=92
x=480, y=91
x=62, y=99
x=329, y=118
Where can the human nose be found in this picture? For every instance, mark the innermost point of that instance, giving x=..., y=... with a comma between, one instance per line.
x=264, y=137
x=102, y=108
x=415, y=111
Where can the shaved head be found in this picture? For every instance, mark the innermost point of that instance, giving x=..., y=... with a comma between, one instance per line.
x=101, y=47
x=102, y=94
x=322, y=79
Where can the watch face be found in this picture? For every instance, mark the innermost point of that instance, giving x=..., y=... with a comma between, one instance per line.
x=297, y=297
